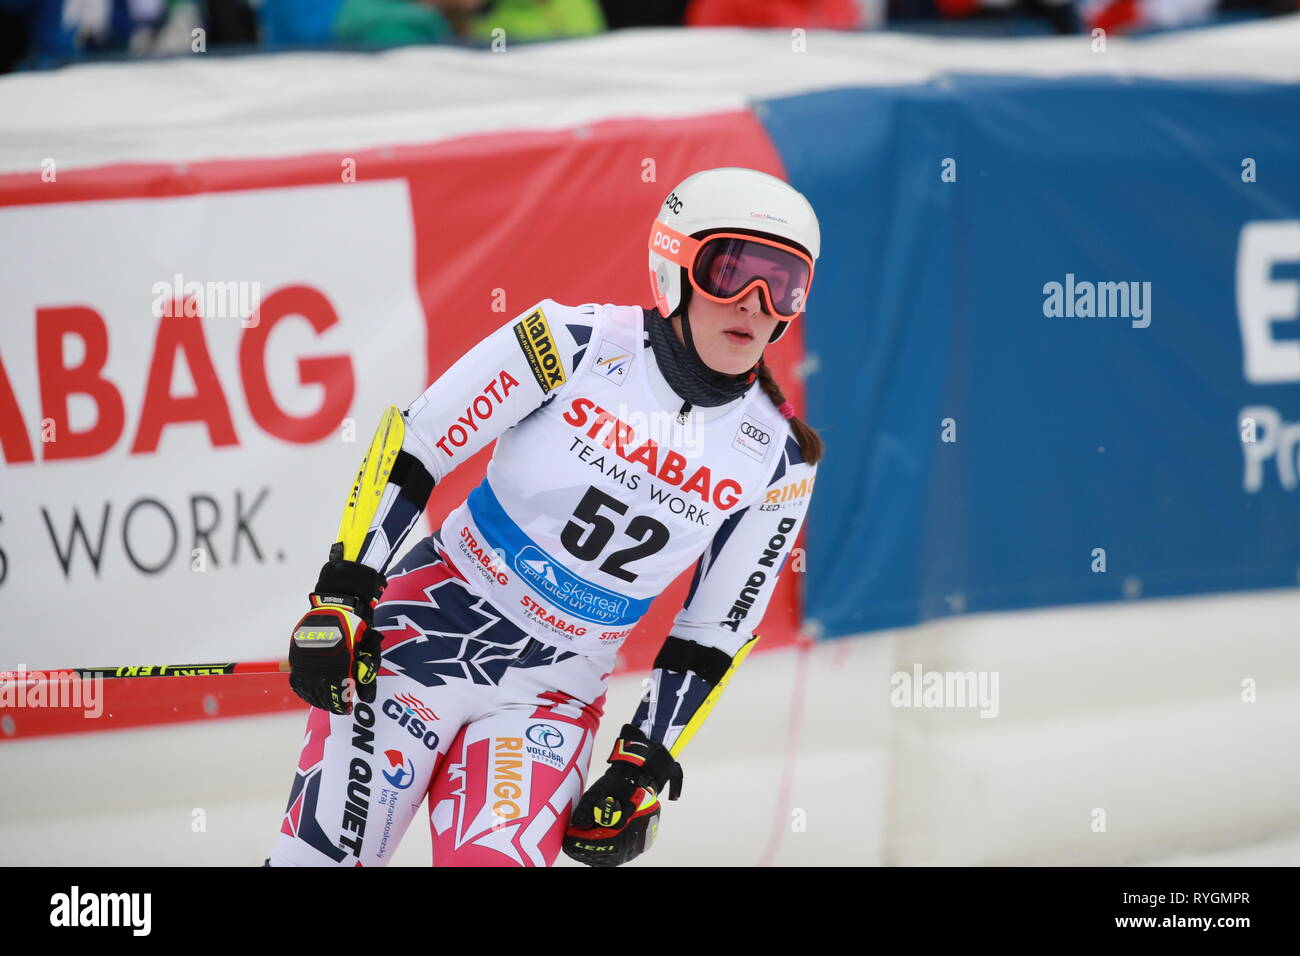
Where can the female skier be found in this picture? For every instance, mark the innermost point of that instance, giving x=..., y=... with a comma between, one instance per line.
x=630, y=443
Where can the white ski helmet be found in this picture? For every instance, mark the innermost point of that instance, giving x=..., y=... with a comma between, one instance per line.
x=729, y=199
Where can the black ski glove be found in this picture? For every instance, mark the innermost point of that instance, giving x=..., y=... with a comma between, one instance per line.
x=333, y=649
x=617, y=818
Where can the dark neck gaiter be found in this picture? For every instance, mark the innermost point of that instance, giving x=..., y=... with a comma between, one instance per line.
x=685, y=371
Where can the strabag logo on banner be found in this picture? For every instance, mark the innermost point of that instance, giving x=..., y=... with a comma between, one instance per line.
x=1268, y=310
x=181, y=474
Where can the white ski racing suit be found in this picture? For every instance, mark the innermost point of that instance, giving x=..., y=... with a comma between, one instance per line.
x=500, y=629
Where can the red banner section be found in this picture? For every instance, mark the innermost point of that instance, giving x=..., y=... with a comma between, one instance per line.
x=40, y=708
x=499, y=221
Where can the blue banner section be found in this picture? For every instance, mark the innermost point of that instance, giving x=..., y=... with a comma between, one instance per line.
x=1055, y=328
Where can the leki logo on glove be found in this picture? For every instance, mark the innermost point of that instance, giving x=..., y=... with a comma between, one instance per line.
x=608, y=813
x=317, y=636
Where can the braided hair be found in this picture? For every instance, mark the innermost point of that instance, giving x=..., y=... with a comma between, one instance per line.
x=810, y=443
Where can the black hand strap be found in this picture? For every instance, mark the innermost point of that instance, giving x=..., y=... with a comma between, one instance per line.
x=346, y=581
x=657, y=766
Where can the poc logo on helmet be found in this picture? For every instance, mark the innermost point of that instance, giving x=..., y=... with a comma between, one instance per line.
x=673, y=203
x=667, y=242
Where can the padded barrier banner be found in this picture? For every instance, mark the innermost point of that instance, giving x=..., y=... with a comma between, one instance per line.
x=133, y=442
x=1056, y=344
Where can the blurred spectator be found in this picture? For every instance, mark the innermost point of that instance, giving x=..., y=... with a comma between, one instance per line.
x=539, y=19
x=51, y=31
x=643, y=13
x=62, y=29
x=296, y=23
x=1115, y=16
x=390, y=22
x=808, y=14
x=174, y=33
x=1059, y=14
x=230, y=22
x=13, y=36
x=289, y=23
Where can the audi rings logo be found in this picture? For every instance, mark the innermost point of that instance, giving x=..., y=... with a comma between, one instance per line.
x=544, y=735
x=752, y=439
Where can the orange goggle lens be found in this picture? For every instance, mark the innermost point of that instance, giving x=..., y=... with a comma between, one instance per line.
x=725, y=266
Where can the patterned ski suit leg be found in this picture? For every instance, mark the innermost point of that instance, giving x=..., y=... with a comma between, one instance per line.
x=446, y=653
x=504, y=793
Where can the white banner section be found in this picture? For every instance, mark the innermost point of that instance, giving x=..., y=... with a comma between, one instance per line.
x=170, y=510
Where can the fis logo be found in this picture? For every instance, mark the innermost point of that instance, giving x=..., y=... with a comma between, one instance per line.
x=612, y=363
x=538, y=345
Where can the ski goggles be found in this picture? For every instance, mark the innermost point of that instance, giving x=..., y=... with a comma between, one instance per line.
x=724, y=266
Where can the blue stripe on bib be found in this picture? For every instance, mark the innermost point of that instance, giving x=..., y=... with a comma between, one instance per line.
x=543, y=573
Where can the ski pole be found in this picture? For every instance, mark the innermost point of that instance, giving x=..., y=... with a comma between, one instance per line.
x=152, y=670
